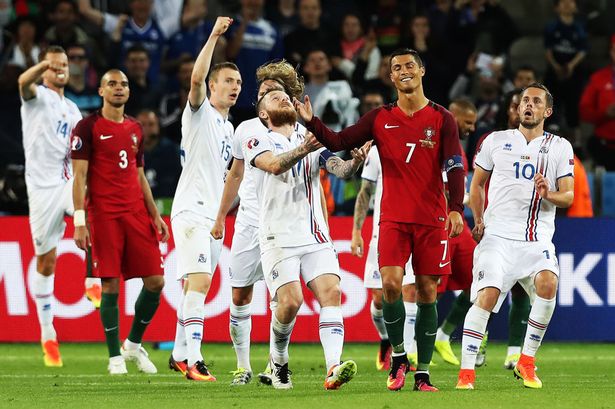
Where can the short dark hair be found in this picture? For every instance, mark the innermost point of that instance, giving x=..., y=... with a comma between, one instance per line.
x=52, y=49
x=406, y=51
x=526, y=67
x=465, y=104
x=137, y=48
x=213, y=73
x=542, y=87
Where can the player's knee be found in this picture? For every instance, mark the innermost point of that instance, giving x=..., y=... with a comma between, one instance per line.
x=241, y=296
x=46, y=264
x=289, y=303
x=390, y=291
x=546, y=284
x=487, y=298
x=155, y=284
x=332, y=296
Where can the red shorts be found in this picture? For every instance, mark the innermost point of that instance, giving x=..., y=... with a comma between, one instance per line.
x=428, y=246
x=462, y=255
x=125, y=246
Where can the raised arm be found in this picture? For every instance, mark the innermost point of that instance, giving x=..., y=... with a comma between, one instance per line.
x=27, y=80
x=278, y=164
x=231, y=188
x=562, y=197
x=361, y=206
x=198, y=88
x=152, y=209
x=352, y=137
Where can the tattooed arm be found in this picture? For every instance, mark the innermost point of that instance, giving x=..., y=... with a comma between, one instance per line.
x=344, y=169
x=361, y=207
x=278, y=164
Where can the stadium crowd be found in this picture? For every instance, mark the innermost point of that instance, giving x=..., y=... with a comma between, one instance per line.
x=478, y=50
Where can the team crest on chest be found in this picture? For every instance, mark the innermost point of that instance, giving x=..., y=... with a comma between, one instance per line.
x=429, y=134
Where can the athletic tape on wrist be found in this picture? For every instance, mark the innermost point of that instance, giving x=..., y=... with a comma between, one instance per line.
x=79, y=218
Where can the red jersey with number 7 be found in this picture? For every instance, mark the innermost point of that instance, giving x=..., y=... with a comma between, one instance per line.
x=413, y=150
x=114, y=152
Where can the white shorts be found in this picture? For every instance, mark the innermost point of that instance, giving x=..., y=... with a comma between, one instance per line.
x=245, y=268
x=197, y=250
x=287, y=264
x=48, y=207
x=371, y=276
x=500, y=263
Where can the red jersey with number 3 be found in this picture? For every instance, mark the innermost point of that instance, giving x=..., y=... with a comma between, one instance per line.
x=413, y=151
x=114, y=152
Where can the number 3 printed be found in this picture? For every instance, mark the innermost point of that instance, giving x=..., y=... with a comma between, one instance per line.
x=123, y=159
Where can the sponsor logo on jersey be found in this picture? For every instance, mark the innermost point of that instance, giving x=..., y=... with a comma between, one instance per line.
x=252, y=143
x=508, y=147
x=77, y=143
x=103, y=137
x=135, y=141
x=525, y=157
x=429, y=134
x=544, y=149
x=387, y=126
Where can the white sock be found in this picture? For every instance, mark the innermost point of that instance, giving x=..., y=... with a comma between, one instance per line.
x=180, y=350
x=513, y=350
x=540, y=316
x=43, y=297
x=279, y=340
x=240, y=326
x=473, y=332
x=441, y=336
x=131, y=346
x=194, y=312
x=378, y=320
x=331, y=330
x=90, y=281
x=409, y=325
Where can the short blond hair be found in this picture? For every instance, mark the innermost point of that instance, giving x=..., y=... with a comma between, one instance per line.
x=284, y=73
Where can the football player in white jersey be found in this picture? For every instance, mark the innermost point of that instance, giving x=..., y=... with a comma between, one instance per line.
x=294, y=237
x=205, y=152
x=47, y=119
x=531, y=173
x=371, y=185
x=245, y=268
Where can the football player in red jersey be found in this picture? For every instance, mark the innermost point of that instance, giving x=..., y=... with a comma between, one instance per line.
x=416, y=139
x=107, y=154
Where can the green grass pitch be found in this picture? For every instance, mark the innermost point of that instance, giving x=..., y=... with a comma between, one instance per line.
x=575, y=376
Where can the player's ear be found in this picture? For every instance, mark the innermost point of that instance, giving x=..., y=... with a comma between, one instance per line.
x=548, y=112
x=422, y=70
x=263, y=115
x=100, y=91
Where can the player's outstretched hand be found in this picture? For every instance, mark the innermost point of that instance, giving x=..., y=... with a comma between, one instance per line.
x=356, y=244
x=310, y=143
x=82, y=237
x=478, y=230
x=304, y=109
x=360, y=154
x=222, y=24
x=454, y=224
x=162, y=228
x=542, y=185
x=217, y=232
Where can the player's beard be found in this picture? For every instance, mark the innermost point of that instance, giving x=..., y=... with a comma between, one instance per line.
x=531, y=123
x=281, y=117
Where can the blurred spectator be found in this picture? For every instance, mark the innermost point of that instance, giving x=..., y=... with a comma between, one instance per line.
x=162, y=167
x=252, y=41
x=172, y=104
x=582, y=203
x=310, y=35
x=283, y=13
x=598, y=108
x=65, y=31
x=144, y=93
x=417, y=35
x=187, y=42
x=332, y=101
x=439, y=14
x=465, y=114
x=387, y=21
x=360, y=54
x=383, y=84
x=523, y=76
x=26, y=51
x=82, y=87
x=5, y=18
x=492, y=37
x=566, y=45
x=370, y=100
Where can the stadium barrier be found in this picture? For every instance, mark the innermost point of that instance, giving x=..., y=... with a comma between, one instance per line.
x=586, y=297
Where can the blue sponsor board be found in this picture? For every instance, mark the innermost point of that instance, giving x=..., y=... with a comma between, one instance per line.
x=586, y=295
